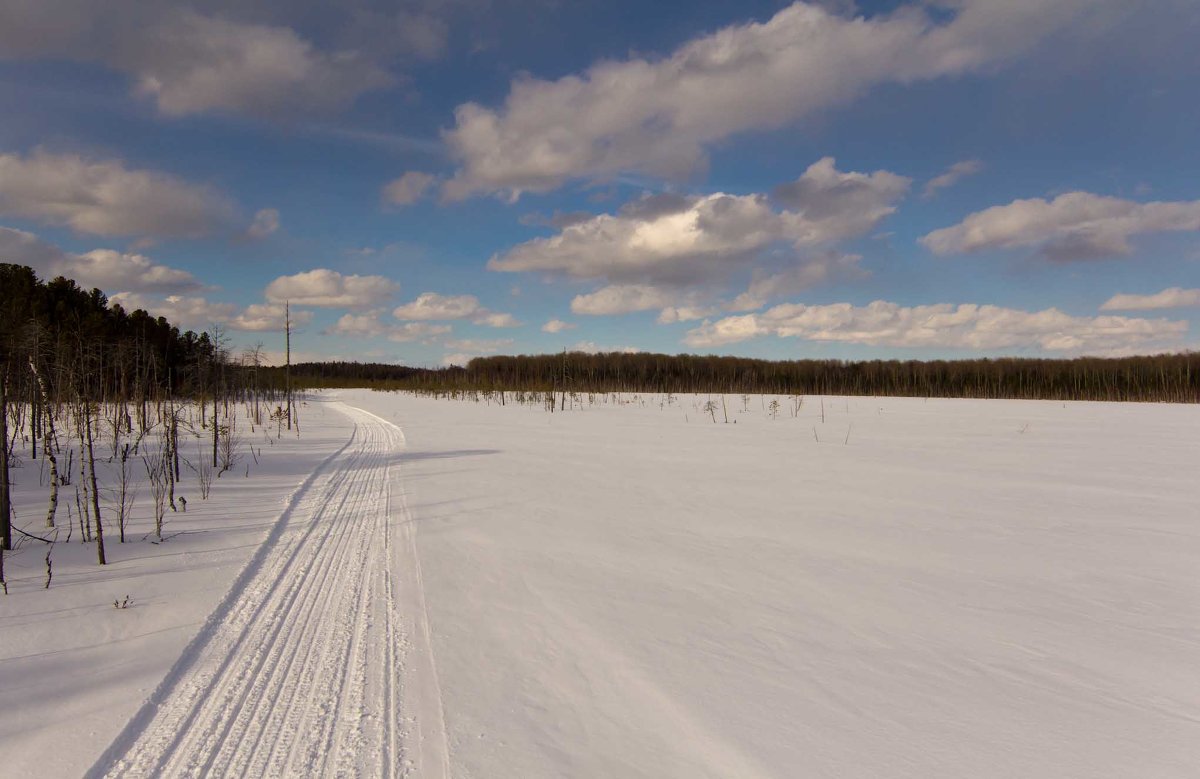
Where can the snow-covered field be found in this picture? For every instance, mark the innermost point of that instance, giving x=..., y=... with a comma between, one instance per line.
x=905, y=588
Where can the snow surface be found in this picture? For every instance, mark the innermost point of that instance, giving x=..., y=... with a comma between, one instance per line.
x=932, y=588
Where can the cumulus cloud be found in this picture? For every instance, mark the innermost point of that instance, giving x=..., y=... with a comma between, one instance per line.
x=189, y=62
x=837, y=204
x=674, y=252
x=103, y=197
x=108, y=269
x=265, y=223
x=590, y=347
x=557, y=326
x=480, y=346
x=104, y=269
x=325, y=288
x=1173, y=297
x=658, y=116
x=22, y=248
x=675, y=305
x=367, y=324
x=952, y=176
x=621, y=299
x=492, y=319
x=269, y=317
x=947, y=326
x=818, y=269
x=198, y=313
x=1072, y=226
x=430, y=306
x=371, y=326
x=409, y=188
x=674, y=314
x=680, y=239
x=457, y=358
x=185, y=312
x=197, y=63
x=468, y=348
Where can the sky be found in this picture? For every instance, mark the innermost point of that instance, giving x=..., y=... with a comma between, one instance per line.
x=427, y=181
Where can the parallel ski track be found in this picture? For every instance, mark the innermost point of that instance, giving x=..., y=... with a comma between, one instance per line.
x=297, y=673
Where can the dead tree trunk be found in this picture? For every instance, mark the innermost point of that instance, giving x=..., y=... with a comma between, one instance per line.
x=5, y=499
x=287, y=369
x=216, y=428
x=175, y=439
x=91, y=458
x=48, y=444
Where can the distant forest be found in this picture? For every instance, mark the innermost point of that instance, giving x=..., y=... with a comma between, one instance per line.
x=80, y=345
x=88, y=347
x=1170, y=378
x=72, y=362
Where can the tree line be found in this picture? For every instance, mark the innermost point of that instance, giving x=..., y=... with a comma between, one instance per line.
x=78, y=371
x=1159, y=378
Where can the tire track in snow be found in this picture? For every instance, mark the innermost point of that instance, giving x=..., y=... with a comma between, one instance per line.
x=422, y=739
x=300, y=671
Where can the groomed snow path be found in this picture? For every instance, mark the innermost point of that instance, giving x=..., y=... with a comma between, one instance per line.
x=305, y=669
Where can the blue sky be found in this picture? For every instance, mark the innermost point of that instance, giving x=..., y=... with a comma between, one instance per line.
x=428, y=181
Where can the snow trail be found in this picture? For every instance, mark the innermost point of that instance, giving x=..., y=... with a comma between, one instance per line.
x=307, y=668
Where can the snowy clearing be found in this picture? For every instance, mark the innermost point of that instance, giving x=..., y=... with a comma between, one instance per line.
x=854, y=587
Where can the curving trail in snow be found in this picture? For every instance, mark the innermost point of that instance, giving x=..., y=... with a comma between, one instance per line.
x=318, y=661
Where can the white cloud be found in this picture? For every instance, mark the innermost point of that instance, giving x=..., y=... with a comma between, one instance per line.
x=188, y=62
x=675, y=239
x=265, y=223
x=952, y=176
x=590, y=347
x=1072, y=226
x=557, y=326
x=369, y=325
x=106, y=198
x=416, y=331
x=325, y=288
x=491, y=319
x=196, y=63
x=358, y=324
x=459, y=358
x=621, y=299
x=409, y=188
x=947, y=326
x=480, y=346
x=1173, y=297
x=469, y=348
x=185, y=312
x=836, y=204
x=731, y=329
x=22, y=248
x=818, y=269
x=674, y=314
x=674, y=252
x=674, y=305
x=108, y=269
x=269, y=317
x=105, y=269
x=430, y=306
x=658, y=116
x=198, y=313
